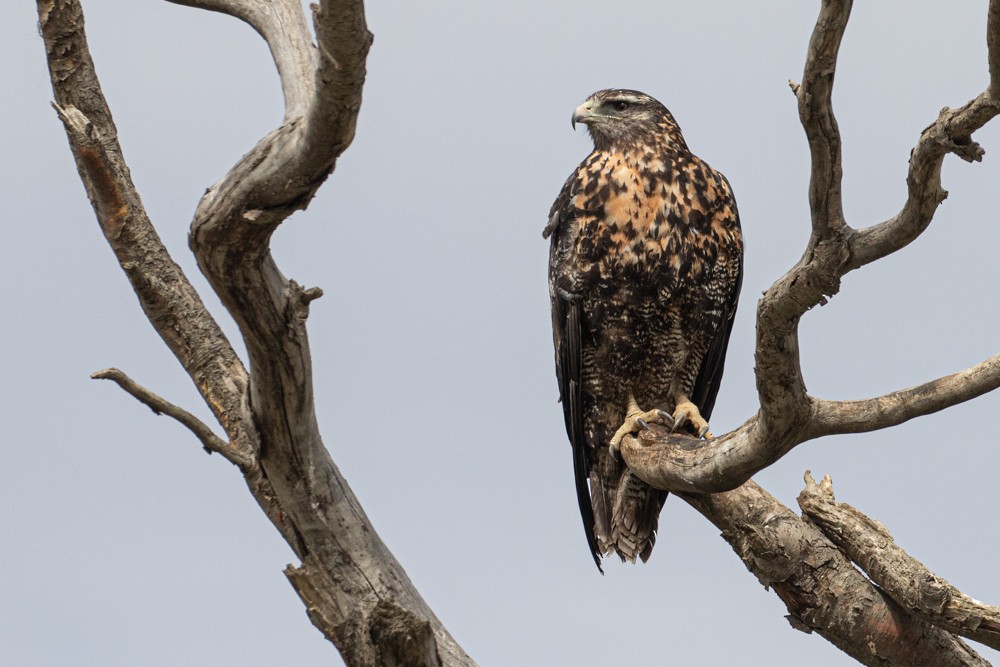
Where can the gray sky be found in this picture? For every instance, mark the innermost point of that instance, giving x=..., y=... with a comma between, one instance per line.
x=126, y=545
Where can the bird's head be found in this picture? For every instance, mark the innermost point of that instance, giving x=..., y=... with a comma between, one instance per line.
x=618, y=117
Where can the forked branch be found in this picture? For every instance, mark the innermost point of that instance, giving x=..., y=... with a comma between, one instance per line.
x=900, y=406
x=788, y=416
x=269, y=416
x=819, y=586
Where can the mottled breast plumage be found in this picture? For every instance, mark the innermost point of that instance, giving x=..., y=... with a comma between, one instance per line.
x=647, y=212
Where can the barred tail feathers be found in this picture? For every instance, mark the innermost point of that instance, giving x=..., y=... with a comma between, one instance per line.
x=634, y=518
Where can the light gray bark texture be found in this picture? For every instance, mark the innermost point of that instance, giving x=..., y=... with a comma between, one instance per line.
x=918, y=590
x=353, y=589
x=348, y=580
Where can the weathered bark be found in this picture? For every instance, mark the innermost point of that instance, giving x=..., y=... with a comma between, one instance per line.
x=918, y=590
x=347, y=574
x=821, y=589
x=680, y=463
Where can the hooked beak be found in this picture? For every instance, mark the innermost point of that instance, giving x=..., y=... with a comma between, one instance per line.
x=582, y=114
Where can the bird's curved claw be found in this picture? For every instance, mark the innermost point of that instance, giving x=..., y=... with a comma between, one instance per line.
x=679, y=421
x=615, y=450
x=686, y=413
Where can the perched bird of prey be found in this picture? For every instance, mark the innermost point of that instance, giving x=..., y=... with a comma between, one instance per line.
x=645, y=269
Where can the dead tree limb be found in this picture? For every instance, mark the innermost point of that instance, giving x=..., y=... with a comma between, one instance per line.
x=817, y=583
x=348, y=579
x=211, y=442
x=915, y=588
x=821, y=589
x=788, y=415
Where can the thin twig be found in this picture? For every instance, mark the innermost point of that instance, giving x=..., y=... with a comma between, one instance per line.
x=161, y=406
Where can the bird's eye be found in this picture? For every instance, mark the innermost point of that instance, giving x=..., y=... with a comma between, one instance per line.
x=621, y=105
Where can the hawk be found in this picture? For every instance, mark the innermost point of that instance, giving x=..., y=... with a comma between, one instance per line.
x=645, y=268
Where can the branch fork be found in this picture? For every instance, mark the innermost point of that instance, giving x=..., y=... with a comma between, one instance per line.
x=788, y=415
x=268, y=416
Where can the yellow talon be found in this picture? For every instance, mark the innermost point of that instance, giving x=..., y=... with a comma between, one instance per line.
x=636, y=419
x=687, y=412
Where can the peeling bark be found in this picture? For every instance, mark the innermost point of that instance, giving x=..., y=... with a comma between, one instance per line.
x=822, y=590
x=918, y=590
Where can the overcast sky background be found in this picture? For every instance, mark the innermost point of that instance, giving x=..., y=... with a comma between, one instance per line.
x=124, y=544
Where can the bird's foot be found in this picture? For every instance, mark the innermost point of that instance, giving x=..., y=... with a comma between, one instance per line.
x=637, y=420
x=687, y=412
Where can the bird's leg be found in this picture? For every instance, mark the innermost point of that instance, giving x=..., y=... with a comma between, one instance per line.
x=635, y=420
x=687, y=412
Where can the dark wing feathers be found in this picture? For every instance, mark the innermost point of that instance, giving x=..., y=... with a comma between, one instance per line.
x=567, y=331
x=559, y=207
x=569, y=368
x=706, y=386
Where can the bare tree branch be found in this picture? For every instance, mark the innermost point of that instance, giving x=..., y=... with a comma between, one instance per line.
x=993, y=47
x=282, y=173
x=784, y=403
x=282, y=25
x=159, y=405
x=345, y=562
x=821, y=589
x=346, y=569
x=900, y=406
x=950, y=133
x=788, y=416
x=681, y=463
x=914, y=587
x=671, y=463
x=170, y=302
x=815, y=97
x=675, y=462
